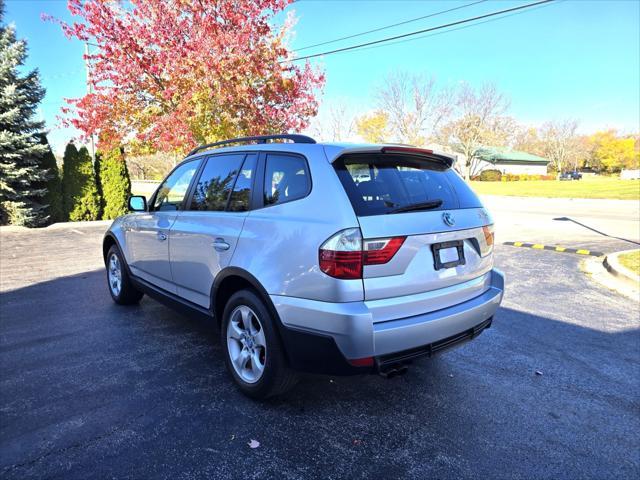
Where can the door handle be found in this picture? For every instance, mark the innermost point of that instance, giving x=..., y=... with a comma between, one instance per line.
x=162, y=236
x=220, y=245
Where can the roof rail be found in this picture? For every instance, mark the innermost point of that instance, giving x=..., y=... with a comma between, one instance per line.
x=257, y=139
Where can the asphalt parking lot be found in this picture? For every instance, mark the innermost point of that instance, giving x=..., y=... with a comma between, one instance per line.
x=92, y=390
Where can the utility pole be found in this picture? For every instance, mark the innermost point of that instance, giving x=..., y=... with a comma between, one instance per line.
x=89, y=90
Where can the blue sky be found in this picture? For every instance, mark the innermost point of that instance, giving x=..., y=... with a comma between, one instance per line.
x=576, y=58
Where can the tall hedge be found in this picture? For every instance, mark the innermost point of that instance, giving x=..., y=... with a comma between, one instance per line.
x=115, y=185
x=79, y=186
x=53, y=197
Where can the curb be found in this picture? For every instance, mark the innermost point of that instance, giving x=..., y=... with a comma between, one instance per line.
x=555, y=248
x=614, y=267
x=58, y=226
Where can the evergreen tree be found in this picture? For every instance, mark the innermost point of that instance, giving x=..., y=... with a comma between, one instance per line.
x=53, y=198
x=22, y=176
x=69, y=161
x=80, y=191
x=114, y=182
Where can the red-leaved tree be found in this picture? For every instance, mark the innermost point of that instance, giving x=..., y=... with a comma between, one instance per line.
x=170, y=74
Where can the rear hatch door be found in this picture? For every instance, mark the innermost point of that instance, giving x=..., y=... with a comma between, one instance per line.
x=416, y=196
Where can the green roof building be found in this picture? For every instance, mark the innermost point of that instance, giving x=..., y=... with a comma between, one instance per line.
x=511, y=161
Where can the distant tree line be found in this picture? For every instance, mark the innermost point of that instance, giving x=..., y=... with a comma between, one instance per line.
x=412, y=109
x=33, y=191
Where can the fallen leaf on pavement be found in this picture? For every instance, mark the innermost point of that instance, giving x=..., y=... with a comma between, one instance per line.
x=253, y=443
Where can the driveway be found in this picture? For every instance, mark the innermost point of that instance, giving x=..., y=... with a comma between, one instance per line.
x=91, y=389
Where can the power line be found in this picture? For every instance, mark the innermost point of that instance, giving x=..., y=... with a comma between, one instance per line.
x=463, y=27
x=389, y=26
x=439, y=27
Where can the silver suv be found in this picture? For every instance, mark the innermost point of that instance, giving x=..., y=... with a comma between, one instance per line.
x=323, y=258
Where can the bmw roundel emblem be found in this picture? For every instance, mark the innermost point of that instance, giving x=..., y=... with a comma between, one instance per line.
x=448, y=219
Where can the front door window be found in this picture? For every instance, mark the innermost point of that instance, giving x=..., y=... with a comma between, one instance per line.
x=171, y=193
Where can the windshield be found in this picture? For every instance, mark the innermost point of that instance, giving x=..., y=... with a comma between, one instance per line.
x=381, y=184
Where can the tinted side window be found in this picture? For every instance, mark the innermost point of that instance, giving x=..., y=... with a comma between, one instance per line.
x=241, y=195
x=286, y=178
x=171, y=192
x=216, y=181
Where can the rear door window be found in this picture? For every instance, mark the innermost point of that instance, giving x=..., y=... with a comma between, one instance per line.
x=381, y=183
x=241, y=194
x=216, y=182
x=286, y=178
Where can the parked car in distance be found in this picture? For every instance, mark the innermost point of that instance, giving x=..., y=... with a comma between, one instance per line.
x=308, y=264
x=571, y=175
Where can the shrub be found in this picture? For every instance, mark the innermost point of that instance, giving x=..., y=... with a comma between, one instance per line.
x=115, y=186
x=490, y=175
x=80, y=190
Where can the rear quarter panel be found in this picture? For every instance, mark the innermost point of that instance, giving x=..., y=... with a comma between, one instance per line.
x=279, y=244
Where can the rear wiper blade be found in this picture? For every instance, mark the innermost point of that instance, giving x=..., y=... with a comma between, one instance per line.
x=430, y=205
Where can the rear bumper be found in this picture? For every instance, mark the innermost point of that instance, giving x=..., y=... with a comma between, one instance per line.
x=322, y=337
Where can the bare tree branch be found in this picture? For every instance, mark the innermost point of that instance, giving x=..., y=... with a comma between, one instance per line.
x=478, y=120
x=414, y=106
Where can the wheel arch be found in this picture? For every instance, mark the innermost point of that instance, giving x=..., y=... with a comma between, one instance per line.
x=108, y=241
x=233, y=279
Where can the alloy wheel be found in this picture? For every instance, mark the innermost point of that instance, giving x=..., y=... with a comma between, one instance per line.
x=246, y=344
x=115, y=275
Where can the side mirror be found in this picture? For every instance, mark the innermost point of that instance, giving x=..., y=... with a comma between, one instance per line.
x=138, y=203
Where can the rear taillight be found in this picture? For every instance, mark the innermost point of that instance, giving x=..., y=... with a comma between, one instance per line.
x=486, y=247
x=381, y=250
x=344, y=254
x=341, y=255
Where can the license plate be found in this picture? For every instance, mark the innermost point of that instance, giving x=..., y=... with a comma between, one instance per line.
x=448, y=254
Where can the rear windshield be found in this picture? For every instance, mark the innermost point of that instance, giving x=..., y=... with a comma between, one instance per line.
x=382, y=183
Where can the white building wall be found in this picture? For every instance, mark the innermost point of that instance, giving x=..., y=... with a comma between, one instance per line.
x=514, y=168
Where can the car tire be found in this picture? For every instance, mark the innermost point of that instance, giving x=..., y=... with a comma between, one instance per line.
x=118, y=281
x=254, y=354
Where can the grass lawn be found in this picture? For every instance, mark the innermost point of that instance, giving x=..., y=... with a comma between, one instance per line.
x=598, y=187
x=631, y=260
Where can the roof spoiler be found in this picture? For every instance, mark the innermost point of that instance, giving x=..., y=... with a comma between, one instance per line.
x=448, y=161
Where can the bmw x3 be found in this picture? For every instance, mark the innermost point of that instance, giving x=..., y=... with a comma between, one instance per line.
x=324, y=258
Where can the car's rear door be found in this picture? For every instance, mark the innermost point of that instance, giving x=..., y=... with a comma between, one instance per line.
x=436, y=219
x=205, y=234
x=148, y=237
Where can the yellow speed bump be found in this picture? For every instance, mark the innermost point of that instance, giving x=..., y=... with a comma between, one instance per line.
x=555, y=248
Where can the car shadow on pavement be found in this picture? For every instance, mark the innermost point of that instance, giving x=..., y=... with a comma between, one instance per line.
x=599, y=232
x=91, y=388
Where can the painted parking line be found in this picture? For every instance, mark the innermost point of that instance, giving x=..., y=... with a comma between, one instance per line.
x=555, y=248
